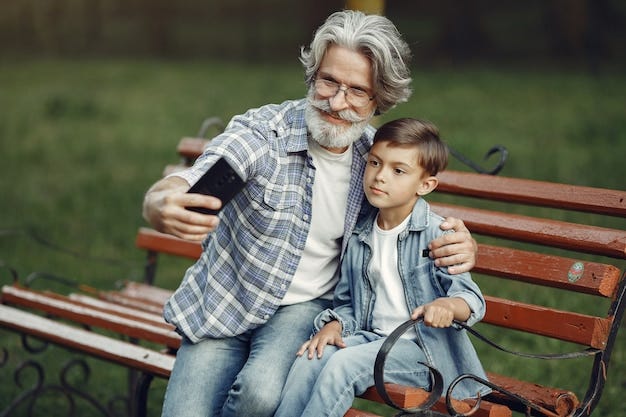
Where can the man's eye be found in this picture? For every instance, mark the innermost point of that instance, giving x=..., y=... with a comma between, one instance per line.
x=357, y=92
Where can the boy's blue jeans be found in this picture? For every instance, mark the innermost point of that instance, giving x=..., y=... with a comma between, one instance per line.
x=327, y=386
x=243, y=375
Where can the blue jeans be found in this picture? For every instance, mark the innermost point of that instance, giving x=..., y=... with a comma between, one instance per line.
x=327, y=386
x=242, y=375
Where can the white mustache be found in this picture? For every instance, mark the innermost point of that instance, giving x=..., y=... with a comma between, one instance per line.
x=347, y=115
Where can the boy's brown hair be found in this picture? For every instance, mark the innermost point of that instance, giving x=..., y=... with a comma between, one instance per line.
x=432, y=151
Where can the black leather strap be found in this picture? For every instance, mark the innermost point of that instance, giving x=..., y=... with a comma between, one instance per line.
x=568, y=355
x=436, y=378
x=379, y=370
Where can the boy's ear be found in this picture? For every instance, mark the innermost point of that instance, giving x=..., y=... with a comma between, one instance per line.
x=427, y=185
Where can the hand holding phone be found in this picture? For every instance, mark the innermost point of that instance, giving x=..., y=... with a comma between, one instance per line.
x=220, y=181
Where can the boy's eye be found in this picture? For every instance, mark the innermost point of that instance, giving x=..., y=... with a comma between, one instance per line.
x=399, y=171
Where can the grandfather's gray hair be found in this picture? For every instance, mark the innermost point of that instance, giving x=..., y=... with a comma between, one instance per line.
x=378, y=39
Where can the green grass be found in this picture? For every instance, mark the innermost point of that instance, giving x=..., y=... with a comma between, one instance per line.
x=81, y=141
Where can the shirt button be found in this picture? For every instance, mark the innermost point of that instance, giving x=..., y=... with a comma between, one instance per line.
x=305, y=217
x=266, y=317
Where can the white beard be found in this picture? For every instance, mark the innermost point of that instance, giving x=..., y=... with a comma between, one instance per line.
x=328, y=134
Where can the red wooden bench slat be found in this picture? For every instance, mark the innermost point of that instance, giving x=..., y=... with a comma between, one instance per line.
x=131, y=312
x=580, y=328
x=547, y=270
x=94, y=344
x=410, y=397
x=191, y=148
x=67, y=309
x=108, y=307
x=148, y=293
x=575, y=237
x=123, y=300
x=152, y=240
x=558, y=400
x=531, y=192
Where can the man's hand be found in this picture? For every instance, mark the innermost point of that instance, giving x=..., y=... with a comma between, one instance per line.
x=164, y=208
x=329, y=335
x=456, y=250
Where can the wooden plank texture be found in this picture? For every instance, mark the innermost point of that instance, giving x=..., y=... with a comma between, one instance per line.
x=575, y=237
x=116, y=351
x=83, y=314
x=532, y=192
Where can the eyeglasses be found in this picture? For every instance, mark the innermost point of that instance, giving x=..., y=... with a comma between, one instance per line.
x=354, y=96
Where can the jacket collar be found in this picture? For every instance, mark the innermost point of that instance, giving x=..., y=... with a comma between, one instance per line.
x=419, y=220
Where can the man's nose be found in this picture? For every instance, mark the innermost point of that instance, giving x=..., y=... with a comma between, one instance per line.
x=339, y=101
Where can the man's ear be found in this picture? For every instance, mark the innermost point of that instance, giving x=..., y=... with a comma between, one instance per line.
x=427, y=185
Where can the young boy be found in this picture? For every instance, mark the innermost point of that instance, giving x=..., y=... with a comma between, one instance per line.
x=384, y=281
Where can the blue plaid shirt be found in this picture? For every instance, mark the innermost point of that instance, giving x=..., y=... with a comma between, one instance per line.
x=249, y=261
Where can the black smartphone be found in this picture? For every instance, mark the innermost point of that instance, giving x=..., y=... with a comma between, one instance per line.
x=220, y=181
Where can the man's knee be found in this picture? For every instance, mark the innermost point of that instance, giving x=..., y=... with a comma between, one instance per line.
x=252, y=399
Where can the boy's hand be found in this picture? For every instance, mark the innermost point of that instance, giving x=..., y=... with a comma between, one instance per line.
x=329, y=335
x=442, y=311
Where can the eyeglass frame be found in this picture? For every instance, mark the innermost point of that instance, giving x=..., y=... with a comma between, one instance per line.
x=349, y=92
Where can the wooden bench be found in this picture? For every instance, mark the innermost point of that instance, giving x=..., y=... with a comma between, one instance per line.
x=541, y=251
x=537, y=255
x=91, y=323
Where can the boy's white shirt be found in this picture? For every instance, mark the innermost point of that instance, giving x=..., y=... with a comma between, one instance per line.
x=316, y=274
x=390, y=309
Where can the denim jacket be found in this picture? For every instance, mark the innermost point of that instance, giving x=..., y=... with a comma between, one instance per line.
x=449, y=350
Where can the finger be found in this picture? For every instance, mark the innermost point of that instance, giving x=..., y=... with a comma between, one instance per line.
x=312, y=350
x=443, y=242
x=452, y=259
x=188, y=232
x=199, y=200
x=461, y=268
x=417, y=313
x=428, y=317
x=303, y=348
x=320, y=350
x=340, y=343
x=453, y=223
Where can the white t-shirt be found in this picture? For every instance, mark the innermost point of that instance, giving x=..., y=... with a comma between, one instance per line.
x=390, y=309
x=315, y=276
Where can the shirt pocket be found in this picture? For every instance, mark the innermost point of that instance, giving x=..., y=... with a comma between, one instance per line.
x=426, y=283
x=280, y=197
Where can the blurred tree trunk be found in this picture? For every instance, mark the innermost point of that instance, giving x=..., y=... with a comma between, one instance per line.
x=158, y=17
x=367, y=6
x=26, y=27
x=93, y=23
x=566, y=22
x=582, y=29
x=604, y=22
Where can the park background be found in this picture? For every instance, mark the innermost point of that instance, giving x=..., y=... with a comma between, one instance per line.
x=95, y=94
